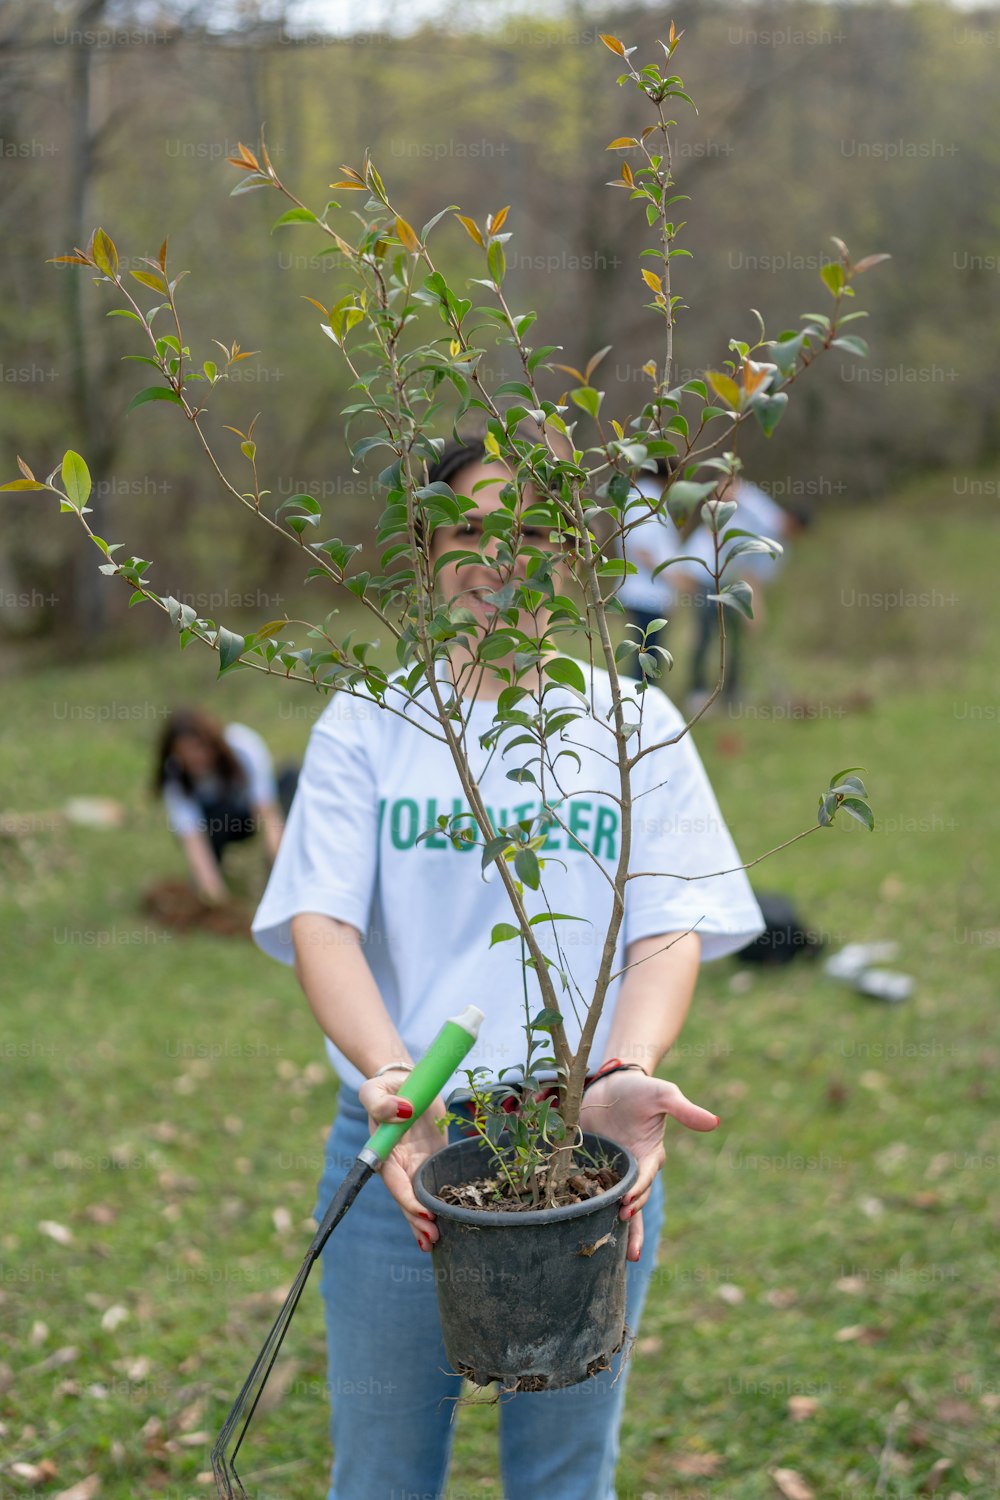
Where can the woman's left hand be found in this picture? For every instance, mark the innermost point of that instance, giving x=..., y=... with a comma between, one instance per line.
x=629, y=1107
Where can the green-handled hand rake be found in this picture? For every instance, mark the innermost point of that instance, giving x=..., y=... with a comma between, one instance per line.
x=421, y=1087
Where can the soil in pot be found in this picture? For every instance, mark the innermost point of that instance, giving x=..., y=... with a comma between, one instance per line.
x=495, y=1194
x=531, y=1298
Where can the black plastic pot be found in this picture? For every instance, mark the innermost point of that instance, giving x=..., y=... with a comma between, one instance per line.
x=534, y=1300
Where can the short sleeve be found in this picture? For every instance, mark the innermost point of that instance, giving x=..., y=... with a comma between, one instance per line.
x=183, y=813
x=678, y=832
x=255, y=758
x=326, y=862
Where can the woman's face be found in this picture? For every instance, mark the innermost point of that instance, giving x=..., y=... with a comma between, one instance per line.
x=466, y=584
x=194, y=755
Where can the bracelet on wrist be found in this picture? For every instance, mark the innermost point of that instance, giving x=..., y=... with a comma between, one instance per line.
x=613, y=1065
x=393, y=1067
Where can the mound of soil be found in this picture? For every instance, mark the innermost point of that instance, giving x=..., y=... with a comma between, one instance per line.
x=174, y=904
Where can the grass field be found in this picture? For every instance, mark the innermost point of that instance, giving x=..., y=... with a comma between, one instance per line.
x=825, y=1301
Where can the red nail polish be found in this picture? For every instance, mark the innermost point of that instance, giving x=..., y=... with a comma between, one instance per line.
x=404, y=1110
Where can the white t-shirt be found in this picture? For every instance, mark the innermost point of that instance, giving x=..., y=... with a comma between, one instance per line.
x=184, y=813
x=373, y=781
x=654, y=540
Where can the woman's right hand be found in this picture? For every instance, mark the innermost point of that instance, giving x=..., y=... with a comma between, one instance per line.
x=378, y=1095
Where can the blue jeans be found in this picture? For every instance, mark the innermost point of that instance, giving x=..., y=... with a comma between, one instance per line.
x=391, y=1388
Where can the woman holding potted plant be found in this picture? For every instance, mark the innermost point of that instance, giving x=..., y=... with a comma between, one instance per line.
x=388, y=932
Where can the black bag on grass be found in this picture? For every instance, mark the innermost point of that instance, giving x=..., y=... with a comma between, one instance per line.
x=784, y=936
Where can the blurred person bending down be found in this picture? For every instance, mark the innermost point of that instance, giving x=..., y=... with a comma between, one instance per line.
x=218, y=787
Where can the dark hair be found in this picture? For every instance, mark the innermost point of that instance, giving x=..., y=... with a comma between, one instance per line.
x=196, y=724
x=454, y=457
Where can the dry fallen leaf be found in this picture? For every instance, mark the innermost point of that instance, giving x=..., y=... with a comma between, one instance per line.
x=101, y=1213
x=955, y=1412
x=781, y=1297
x=731, y=1294
x=57, y=1232
x=39, y=1333
x=33, y=1474
x=279, y=1385
x=114, y=1315
x=190, y=1416
x=56, y=1360
x=850, y=1284
x=282, y=1220
x=791, y=1484
x=801, y=1408
x=935, y=1475
x=85, y=1490
x=697, y=1465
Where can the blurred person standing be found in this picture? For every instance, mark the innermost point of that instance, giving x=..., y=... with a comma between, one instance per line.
x=653, y=542
x=758, y=513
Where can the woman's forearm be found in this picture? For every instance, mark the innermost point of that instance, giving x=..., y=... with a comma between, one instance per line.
x=332, y=969
x=204, y=866
x=654, y=997
x=272, y=825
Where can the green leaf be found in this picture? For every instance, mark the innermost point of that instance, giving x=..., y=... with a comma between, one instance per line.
x=231, y=648
x=769, y=410
x=833, y=276
x=859, y=810
x=23, y=484
x=553, y=916
x=526, y=866
x=147, y=278
x=784, y=352
x=587, y=399
x=105, y=254
x=502, y=933
x=496, y=261
x=295, y=216
x=494, y=847
x=153, y=393
x=852, y=344
x=124, y=312
x=308, y=503
x=738, y=596
x=567, y=672
x=545, y=1020
x=76, y=478
x=724, y=387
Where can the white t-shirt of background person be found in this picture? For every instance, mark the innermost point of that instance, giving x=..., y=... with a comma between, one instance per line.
x=183, y=812
x=373, y=781
x=653, y=541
